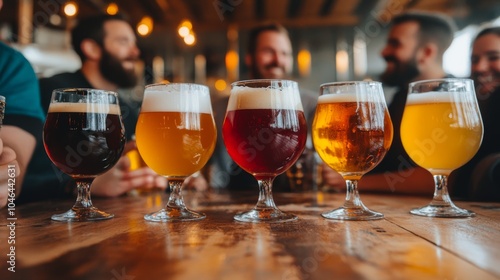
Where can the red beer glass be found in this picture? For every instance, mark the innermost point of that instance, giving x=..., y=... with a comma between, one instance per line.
x=265, y=133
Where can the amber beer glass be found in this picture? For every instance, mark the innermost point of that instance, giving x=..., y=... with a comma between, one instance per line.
x=176, y=136
x=83, y=136
x=264, y=132
x=352, y=132
x=441, y=130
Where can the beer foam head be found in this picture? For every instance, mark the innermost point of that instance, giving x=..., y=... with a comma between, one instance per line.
x=66, y=107
x=264, y=98
x=177, y=98
x=349, y=97
x=440, y=97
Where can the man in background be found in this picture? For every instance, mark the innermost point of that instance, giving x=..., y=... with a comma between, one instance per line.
x=107, y=48
x=269, y=56
x=414, y=51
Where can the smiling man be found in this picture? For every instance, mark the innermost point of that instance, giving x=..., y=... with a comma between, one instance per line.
x=107, y=48
x=414, y=51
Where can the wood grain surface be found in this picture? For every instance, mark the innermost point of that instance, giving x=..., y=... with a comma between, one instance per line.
x=401, y=246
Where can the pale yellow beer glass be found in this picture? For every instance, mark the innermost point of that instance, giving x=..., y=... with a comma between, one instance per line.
x=352, y=131
x=176, y=136
x=441, y=130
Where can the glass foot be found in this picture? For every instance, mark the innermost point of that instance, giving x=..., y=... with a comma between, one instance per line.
x=353, y=214
x=442, y=211
x=264, y=216
x=82, y=215
x=174, y=215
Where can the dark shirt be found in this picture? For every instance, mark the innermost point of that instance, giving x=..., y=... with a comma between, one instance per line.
x=396, y=162
x=463, y=182
x=43, y=179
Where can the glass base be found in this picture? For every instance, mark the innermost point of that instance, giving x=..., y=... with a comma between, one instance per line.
x=353, y=214
x=174, y=215
x=264, y=216
x=82, y=215
x=442, y=211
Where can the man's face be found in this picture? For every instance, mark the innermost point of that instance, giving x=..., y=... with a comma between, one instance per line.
x=400, y=54
x=273, y=56
x=119, y=55
x=485, y=63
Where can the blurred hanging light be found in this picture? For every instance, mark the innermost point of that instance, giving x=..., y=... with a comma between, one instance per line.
x=342, y=61
x=232, y=60
x=112, y=9
x=145, y=26
x=220, y=85
x=185, y=28
x=70, y=9
x=304, y=62
x=190, y=39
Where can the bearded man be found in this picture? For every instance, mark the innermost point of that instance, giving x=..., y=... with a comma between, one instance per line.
x=107, y=48
x=414, y=51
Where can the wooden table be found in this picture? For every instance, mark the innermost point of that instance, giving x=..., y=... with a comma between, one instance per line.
x=401, y=246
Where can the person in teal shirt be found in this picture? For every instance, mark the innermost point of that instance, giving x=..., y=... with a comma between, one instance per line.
x=23, y=121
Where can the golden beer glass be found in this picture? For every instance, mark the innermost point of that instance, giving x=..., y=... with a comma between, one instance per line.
x=352, y=131
x=176, y=136
x=441, y=130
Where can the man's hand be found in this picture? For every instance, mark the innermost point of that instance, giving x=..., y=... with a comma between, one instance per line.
x=7, y=157
x=119, y=179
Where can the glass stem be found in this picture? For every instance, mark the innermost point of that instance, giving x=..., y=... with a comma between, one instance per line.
x=441, y=196
x=175, y=200
x=83, y=199
x=265, y=195
x=352, y=199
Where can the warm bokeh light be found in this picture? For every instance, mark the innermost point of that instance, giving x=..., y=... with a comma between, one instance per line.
x=185, y=28
x=220, y=85
x=143, y=29
x=183, y=31
x=112, y=9
x=232, y=60
x=190, y=39
x=187, y=24
x=342, y=61
x=145, y=26
x=70, y=9
x=304, y=62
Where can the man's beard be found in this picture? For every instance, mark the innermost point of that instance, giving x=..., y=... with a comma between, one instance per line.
x=257, y=75
x=112, y=69
x=402, y=74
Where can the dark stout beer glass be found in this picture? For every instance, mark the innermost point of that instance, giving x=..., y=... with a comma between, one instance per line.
x=265, y=133
x=83, y=136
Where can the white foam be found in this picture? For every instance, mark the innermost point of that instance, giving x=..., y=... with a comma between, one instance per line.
x=63, y=107
x=193, y=98
x=264, y=98
x=437, y=97
x=349, y=97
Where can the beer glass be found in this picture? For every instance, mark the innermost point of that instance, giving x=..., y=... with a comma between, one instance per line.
x=264, y=132
x=2, y=109
x=176, y=136
x=441, y=130
x=83, y=136
x=352, y=132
